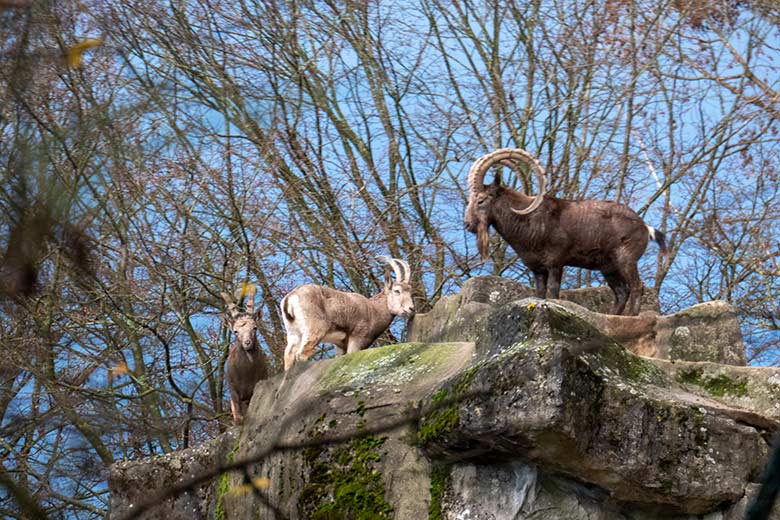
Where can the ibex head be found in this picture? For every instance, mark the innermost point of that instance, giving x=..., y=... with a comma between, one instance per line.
x=399, y=292
x=480, y=211
x=243, y=324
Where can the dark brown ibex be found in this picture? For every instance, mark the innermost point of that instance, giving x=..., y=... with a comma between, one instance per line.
x=548, y=233
x=314, y=314
x=246, y=362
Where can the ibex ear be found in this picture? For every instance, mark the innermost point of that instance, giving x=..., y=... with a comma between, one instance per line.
x=497, y=180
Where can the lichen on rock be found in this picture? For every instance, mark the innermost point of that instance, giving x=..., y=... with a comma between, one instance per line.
x=393, y=365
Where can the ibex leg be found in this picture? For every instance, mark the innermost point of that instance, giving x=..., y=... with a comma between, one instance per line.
x=635, y=290
x=540, y=279
x=308, y=347
x=357, y=344
x=290, y=350
x=554, y=282
x=619, y=288
x=235, y=409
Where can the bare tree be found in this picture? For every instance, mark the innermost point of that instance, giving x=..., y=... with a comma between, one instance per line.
x=196, y=146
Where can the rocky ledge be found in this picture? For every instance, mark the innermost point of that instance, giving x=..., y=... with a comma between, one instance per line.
x=522, y=409
x=705, y=332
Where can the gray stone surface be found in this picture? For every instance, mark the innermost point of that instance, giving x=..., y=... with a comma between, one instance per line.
x=135, y=482
x=573, y=401
x=751, y=388
x=374, y=390
x=523, y=492
x=537, y=414
x=517, y=490
x=601, y=299
x=705, y=332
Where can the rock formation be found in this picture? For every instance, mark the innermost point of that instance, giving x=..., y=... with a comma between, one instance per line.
x=500, y=406
x=705, y=332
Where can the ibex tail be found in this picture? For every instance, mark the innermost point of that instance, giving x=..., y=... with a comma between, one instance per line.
x=659, y=238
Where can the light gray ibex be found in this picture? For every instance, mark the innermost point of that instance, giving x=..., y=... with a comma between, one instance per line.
x=548, y=233
x=314, y=314
x=246, y=362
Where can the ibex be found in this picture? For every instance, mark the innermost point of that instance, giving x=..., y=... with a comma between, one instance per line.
x=246, y=362
x=548, y=233
x=313, y=314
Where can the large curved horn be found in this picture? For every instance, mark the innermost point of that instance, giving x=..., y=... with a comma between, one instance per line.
x=392, y=263
x=407, y=271
x=477, y=174
x=508, y=157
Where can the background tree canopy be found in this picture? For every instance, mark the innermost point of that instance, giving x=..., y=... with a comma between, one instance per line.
x=153, y=154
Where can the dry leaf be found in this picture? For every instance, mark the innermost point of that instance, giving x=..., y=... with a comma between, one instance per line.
x=121, y=368
x=73, y=54
x=248, y=288
x=257, y=483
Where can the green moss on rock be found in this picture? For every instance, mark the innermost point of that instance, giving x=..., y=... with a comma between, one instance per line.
x=343, y=482
x=614, y=356
x=222, y=488
x=631, y=367
x=440, y=477
x=445, y=415
x=437, y=424
x=566, y=324
x=223, y=484
x=717, y=385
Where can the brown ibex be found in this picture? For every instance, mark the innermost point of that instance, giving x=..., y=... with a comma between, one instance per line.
x=548, y=233
x=246, y=362
x=314, y=314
